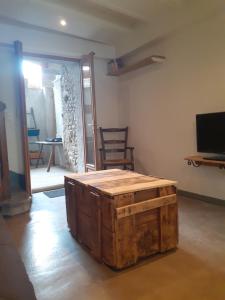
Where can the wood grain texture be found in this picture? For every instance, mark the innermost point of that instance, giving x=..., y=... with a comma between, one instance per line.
x=146, y=205
x=201, y=161
x=119, y=229
x=114, y=182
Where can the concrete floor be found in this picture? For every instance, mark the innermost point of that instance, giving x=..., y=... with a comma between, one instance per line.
x=61, y=270
x=41, y=180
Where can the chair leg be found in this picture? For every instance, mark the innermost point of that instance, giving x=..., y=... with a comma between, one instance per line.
x=39, y=156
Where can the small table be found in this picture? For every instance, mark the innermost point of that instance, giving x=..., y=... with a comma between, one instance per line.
x=52, y=154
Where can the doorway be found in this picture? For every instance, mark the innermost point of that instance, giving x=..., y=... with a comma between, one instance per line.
x=55, y=120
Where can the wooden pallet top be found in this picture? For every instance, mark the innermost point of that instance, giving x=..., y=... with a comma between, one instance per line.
x=115, y=182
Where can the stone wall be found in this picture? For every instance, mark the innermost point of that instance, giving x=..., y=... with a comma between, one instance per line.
x=72, y=117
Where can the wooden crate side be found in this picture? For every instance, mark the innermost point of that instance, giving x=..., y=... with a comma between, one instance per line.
x=139, y=207
x=108, y=242
x=108, y=205
x=126, y=246
x=95, y=232
x=145, y=228
x=71, y=206
x=168, y=227
x=125, y=238
x=84, y=230
x=123, y=200
x=84, y=201
x=145, y=195
x=107, y=213
x=120, y=230
x=67, y=197
x=173, y=226
x=168, y=221
x=167, y=190
x=147, y=233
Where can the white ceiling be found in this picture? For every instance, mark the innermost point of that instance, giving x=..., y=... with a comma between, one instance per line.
x=126, y=24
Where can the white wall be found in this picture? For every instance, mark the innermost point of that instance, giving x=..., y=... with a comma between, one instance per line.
x=8, y=96
x=160, y=102
x=35, y=99
x=107, y=100
x=52, y=43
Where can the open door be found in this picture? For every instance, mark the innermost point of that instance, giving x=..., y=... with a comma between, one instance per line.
x=22, y=107
x=89, y=112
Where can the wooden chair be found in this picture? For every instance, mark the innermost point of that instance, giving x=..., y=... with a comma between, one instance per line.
x=110, y=146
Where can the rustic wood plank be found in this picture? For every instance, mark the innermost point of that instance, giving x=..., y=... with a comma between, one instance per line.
x=123, y=200
x=147, y=232
x=163, y=215
x=122, y=183
x=126, y=246
x=108, y=239
x=96, y=246
x=137, y=187
x=119, y=229
x=126, y=250
x=136, y=208
x=107, y=181
x=110, y=178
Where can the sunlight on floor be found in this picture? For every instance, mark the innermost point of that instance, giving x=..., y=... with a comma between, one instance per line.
x=42, y=180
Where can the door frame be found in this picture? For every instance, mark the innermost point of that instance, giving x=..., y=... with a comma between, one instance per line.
x=18, y=48
x=90, y=59
x=20, y=54
x=49, y=56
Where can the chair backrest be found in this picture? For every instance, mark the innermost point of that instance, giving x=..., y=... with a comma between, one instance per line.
x=114, y=144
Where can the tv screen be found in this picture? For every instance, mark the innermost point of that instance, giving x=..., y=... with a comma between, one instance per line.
x=211, y=132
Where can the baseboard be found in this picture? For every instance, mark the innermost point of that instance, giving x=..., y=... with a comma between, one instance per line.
x=17, y=181
x=215, y=201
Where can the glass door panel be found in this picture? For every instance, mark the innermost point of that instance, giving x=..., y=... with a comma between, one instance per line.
x=89, y=112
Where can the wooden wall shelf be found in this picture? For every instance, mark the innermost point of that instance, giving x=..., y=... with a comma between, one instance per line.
x=140, y=64
x=198, y=161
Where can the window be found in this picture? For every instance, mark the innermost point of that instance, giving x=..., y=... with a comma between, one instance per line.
x=32, y=72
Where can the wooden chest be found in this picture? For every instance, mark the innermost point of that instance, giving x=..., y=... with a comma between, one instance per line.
x=122, y=216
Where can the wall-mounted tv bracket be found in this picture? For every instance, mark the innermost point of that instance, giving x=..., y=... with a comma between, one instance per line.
x=197, y=161
x=194, y=163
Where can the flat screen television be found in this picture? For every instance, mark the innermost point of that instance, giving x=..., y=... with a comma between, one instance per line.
x=211, y=132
